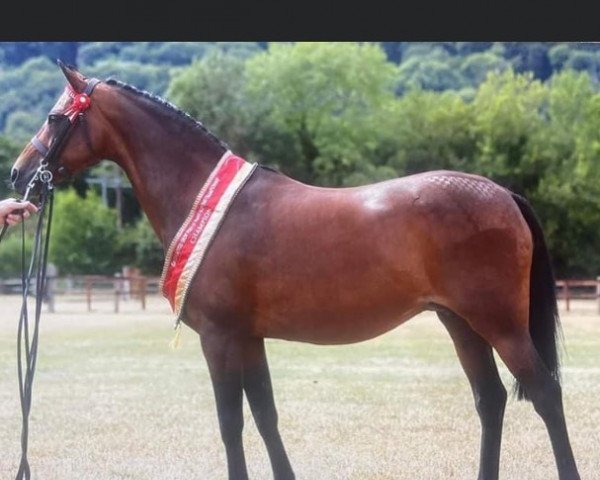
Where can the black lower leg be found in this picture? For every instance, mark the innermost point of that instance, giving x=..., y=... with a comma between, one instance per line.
x=547, y=401
x=477, y=360
x=545, y=393
x=257, y=384
x=224, y=358
x=229, y=396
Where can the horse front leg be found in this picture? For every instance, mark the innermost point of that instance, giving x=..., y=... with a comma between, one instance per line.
x=224, y=356
x=257, y=385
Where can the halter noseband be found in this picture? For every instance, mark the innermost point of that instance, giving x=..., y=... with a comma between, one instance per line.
x=79, y=104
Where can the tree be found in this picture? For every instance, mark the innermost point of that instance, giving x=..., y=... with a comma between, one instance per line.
x=508, y=113
x=153, y=78
x=429, y=66
x=163, y=53
x=585, y=61
x=8, y=154
x=211, y=90
x=529, y=57
x=558, y=55
x=149, y=254
x=15, y=53
x=569, y=195
x=84, y=235
x=428, y=73
x=91, y=52
x=11, y=253
x=21, y=126
x=323, y=96
x=476, y=67
x=469, y=48
x=429, y=131
x=32, y=88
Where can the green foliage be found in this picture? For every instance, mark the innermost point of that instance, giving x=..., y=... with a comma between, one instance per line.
x=21, y=126
x=428, y=73
x=529, y=57
x=84, y=235
x=31, y=88
x=476, y=67
x=162, y=53
x=158, y=53
x=91, y=52
x=138, y=246
x=507, y=111
x=468, y=48
x=323, y=96
x=558, y=55
x=8, y=154
x=423, y=50
x=430, y=131
x=211, y=90
x=15, y=53
x=11, y=253
x=149, y=253
x=153, y=78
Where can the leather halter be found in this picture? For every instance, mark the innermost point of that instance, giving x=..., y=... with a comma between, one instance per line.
x=80, y=103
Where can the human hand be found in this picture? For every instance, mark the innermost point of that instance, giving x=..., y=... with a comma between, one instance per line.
x=10, y=211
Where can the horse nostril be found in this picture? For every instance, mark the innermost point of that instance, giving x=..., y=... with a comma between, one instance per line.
x=14, y=174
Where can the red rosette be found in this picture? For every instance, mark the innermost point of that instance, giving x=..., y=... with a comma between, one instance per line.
x=81, y=102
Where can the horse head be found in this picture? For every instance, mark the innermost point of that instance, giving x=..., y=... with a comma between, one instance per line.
x=70, y=138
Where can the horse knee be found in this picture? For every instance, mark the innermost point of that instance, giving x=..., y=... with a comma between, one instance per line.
x=267, y=423
x=232, y=425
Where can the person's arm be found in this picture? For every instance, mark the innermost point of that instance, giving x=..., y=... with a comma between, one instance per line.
x=9, y=211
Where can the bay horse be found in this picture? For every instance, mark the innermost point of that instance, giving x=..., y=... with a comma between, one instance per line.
x=331, y=265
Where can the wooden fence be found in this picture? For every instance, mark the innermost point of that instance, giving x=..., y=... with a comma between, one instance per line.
x=574, y=289
x=92, y=287
x=137, y=287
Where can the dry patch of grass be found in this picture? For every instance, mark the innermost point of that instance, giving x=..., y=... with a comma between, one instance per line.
x=112, y=401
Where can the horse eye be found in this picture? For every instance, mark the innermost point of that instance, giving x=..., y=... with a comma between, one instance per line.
x=53, y=117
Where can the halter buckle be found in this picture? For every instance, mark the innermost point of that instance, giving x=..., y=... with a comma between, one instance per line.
x=46, y=176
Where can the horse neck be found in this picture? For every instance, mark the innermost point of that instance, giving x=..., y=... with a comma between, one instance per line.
x=167, y=163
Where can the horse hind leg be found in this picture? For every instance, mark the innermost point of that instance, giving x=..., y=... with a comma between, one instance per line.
x=477, y=360
x=543, y=389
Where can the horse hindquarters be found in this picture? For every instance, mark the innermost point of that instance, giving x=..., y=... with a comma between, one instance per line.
x=513, y=308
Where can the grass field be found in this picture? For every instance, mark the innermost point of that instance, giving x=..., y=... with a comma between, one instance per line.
x=111, y=400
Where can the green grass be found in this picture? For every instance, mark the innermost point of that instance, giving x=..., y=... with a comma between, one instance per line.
x=112, y=401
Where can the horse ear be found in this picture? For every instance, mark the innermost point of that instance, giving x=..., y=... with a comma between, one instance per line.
x=75, y=79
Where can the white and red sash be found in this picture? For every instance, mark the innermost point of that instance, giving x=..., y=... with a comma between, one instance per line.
x=191, y=242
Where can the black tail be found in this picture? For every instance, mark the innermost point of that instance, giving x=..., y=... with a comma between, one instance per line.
x=544, y=322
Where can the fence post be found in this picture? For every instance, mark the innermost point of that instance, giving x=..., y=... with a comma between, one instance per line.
x=88, y=293
x=116, y=284
x=142, y=283
x=567, y=295
x=598, y=292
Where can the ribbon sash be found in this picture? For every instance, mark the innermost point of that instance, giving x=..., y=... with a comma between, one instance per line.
x=190, y=244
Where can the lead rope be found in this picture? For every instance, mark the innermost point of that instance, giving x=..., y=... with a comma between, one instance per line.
x=26, y=349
